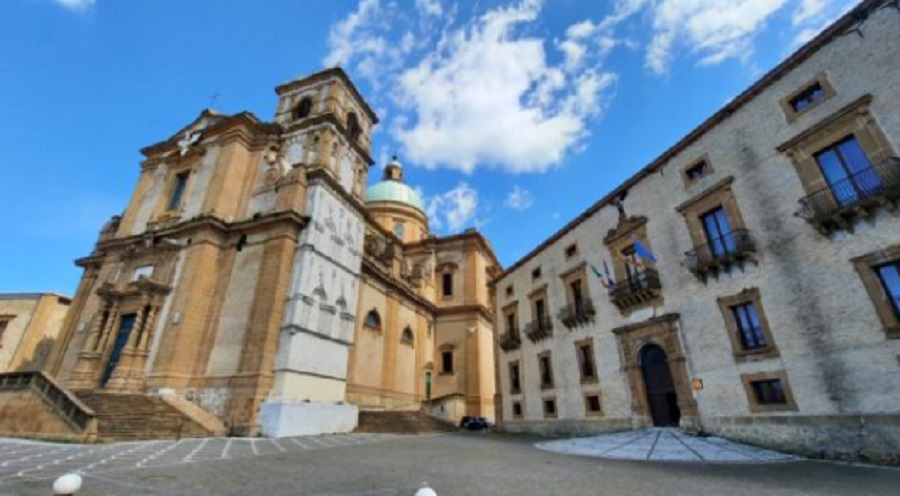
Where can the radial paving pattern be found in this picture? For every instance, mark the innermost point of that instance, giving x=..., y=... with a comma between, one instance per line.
x=664, y=444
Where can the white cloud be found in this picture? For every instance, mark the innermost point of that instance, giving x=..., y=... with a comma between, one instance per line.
x=808, y=9
x=76, y=4
x=519, y=199
x=454, y=210
x=430, y=7
x=480, y=93
x=715, y=30
x=487, y=96
x=351, y=36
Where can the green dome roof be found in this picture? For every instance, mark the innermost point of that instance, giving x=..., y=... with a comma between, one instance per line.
x=394, y=191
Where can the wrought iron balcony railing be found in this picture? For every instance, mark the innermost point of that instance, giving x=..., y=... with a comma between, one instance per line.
x=510, y=340
x=869, y=188
x=636, y=290
x=539, y=329
x=579, y=312
x=724, y=251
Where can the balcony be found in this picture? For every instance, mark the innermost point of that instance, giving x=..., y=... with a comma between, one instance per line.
x=580, y=312
x=510, y=340
x=636, y=290
x=836, y=206
x=721, y=253
x=539, y=329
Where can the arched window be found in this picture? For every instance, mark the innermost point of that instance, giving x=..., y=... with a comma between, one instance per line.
x=353, y=126
x=373, y=320
x=407, y=336
x=303, y=108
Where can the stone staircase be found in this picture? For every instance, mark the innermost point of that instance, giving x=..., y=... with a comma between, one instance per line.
x=401, y=422
x=125, y=417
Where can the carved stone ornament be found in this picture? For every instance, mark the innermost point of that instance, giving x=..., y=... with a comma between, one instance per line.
x=277, y=166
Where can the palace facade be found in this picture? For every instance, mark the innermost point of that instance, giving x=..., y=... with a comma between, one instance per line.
x=257, y=284
x=746, y=283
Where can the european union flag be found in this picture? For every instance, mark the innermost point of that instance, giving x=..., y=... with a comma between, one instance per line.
x=642, y=251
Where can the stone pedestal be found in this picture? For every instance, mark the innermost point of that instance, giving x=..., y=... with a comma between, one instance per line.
x=283, y=418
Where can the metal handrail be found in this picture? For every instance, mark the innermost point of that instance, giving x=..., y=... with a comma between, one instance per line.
x=879, y=180
x=576, y=312
x=510, y=340
x=539, y=329
x=724, y=249
x=645, y=279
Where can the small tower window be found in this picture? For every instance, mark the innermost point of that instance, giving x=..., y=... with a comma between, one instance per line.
x=178, y=191
x=399, y=230
x=353, y=126
x=373, y=320
x=302, y=110
x=448, y=284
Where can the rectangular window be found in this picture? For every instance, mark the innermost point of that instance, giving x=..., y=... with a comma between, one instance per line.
x=549, y=407
x=510, y=323
x=808, y=97
x=769, y=392
x=517, y=409
x=447, y=362
x=697, y=171
x=536, y=273
x=178, y=191
x=509, y=290
x=4, y=323
x=889, y=275
x=571, y=251
x=448, y=284
x=142, y=271
x=718, y=232
x=539, y=311
x=577, y=297
x=586, y=361
x=514, y=384
x=748, y=326
x=848, y=171
x=546, y=370
x=592, y=403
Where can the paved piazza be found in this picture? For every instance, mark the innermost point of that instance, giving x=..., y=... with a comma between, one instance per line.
x=664, y=445
x=380, y=464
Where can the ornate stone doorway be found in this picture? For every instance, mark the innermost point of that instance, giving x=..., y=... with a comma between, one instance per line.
x=661, y=395
x=126, y=324
x=654, y=362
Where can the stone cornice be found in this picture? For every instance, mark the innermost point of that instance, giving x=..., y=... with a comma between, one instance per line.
x=667, y=319
x=203, y=222
x=372, y=270
x=243, y=125
x=480, y=309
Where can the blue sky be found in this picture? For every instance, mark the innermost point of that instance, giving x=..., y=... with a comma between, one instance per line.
x=510, y=115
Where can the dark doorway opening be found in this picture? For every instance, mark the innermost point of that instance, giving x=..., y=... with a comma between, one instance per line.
x=661, y=396
x=125, y=326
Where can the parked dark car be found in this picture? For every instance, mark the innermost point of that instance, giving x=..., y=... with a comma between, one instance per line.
x=474, y=423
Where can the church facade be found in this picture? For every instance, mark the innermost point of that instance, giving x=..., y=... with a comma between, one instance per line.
x=746, y=283
x=254, y=275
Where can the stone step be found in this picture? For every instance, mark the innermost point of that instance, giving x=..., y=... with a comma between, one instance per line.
x=401, y=422
x=136, y=416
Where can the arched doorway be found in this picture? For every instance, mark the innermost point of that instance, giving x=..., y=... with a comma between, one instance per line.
x=661, y=396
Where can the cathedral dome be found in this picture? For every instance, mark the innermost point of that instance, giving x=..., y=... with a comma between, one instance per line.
x=394, y=191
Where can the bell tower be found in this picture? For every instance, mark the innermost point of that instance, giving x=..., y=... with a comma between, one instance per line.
x=327, y=129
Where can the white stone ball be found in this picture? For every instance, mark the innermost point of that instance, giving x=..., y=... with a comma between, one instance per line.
x=67, y=484
x=426, y=491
